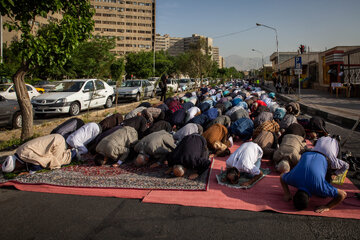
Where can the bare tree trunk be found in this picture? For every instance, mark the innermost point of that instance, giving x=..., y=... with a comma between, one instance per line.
x=24, y=103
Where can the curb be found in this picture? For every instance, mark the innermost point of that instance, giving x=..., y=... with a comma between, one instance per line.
x=332, y=118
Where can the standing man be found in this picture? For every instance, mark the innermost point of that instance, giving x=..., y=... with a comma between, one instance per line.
x=163, y=86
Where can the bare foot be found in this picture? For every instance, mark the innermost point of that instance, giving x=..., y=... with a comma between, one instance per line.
x=193, y=176
x=154, y=165
x=115, y=165
x=23, y=173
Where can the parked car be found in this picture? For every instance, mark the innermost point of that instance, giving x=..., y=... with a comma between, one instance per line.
x=185, y=84
x=135, y=89
x=73, y=96
x=40, y=90
x=10, y=114
x=172, y=85
x=154, y=80
x=112, y=84
x=8, y=91
x=196, y=82
x=45, y=86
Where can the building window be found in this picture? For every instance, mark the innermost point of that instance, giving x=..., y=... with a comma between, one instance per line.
x=109, y=22
x=109, y=8
x=129, y=31
x=121, y=30
x=97, y=29
x=109, y=15
x=120, y=23
x=109, y=30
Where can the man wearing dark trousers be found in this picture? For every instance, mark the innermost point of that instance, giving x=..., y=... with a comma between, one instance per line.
x=163, y=86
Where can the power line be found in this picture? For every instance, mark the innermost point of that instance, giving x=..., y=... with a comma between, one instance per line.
x=234, y=33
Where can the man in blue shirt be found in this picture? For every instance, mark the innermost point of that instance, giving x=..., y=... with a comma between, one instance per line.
x=308, y=176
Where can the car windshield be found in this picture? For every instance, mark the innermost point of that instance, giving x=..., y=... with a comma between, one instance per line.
x=4, y=87
x=132, y=84
x=67, y=87
x=184, y=80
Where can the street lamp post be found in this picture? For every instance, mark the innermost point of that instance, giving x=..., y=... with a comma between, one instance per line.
x=262, y=60
x=277, y=43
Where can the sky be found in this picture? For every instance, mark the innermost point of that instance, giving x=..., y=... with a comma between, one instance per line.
x=319, y=24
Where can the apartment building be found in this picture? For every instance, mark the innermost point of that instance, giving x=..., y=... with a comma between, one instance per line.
x=217, y=58
x=177, y=45
x=9, y=37
x=131, y=23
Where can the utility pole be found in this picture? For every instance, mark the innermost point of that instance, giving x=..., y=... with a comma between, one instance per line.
x=308, y=63
x=1, y=39
x=154, y=59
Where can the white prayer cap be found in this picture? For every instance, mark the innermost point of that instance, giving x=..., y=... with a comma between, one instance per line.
x=9, y=164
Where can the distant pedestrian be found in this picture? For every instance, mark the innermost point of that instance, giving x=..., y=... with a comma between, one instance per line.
x=278, y=86
x=163, y=86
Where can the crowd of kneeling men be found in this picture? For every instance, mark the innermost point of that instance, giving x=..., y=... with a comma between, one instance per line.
x=181, y=133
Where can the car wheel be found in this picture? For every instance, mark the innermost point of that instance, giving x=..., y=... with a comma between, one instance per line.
x=17, y=120
x=108, y=103
x=74, y=109
x=138, y=97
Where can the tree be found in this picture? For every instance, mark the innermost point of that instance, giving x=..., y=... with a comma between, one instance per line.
x=139, y=64
x=164, y=63
x=117, y=70
x=11, y=62
x=196, y=62
x=93, y=58
x=51, y=45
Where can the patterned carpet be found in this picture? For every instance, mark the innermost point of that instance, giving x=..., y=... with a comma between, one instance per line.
x=127, y=177
x=243, y=178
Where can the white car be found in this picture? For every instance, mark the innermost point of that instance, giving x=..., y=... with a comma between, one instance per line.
x=135, y=89
x=8, y=91
x=154, y=80
x=185, y=84
x=172, y=85
x=73, y=96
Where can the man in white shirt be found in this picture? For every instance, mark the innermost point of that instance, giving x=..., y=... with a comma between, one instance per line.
x=81, y=137
x=247, y=158
x=191, y=113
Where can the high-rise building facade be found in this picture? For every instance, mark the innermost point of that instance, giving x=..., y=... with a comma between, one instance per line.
x=177, y=45
x=131, y=23
x=217, y=58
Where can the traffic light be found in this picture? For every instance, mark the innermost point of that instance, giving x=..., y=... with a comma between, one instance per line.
x=302, y=49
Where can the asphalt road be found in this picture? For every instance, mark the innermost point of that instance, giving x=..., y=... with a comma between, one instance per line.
x=26, y=215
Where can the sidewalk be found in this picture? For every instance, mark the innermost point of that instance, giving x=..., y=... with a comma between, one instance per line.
x=341, y=111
